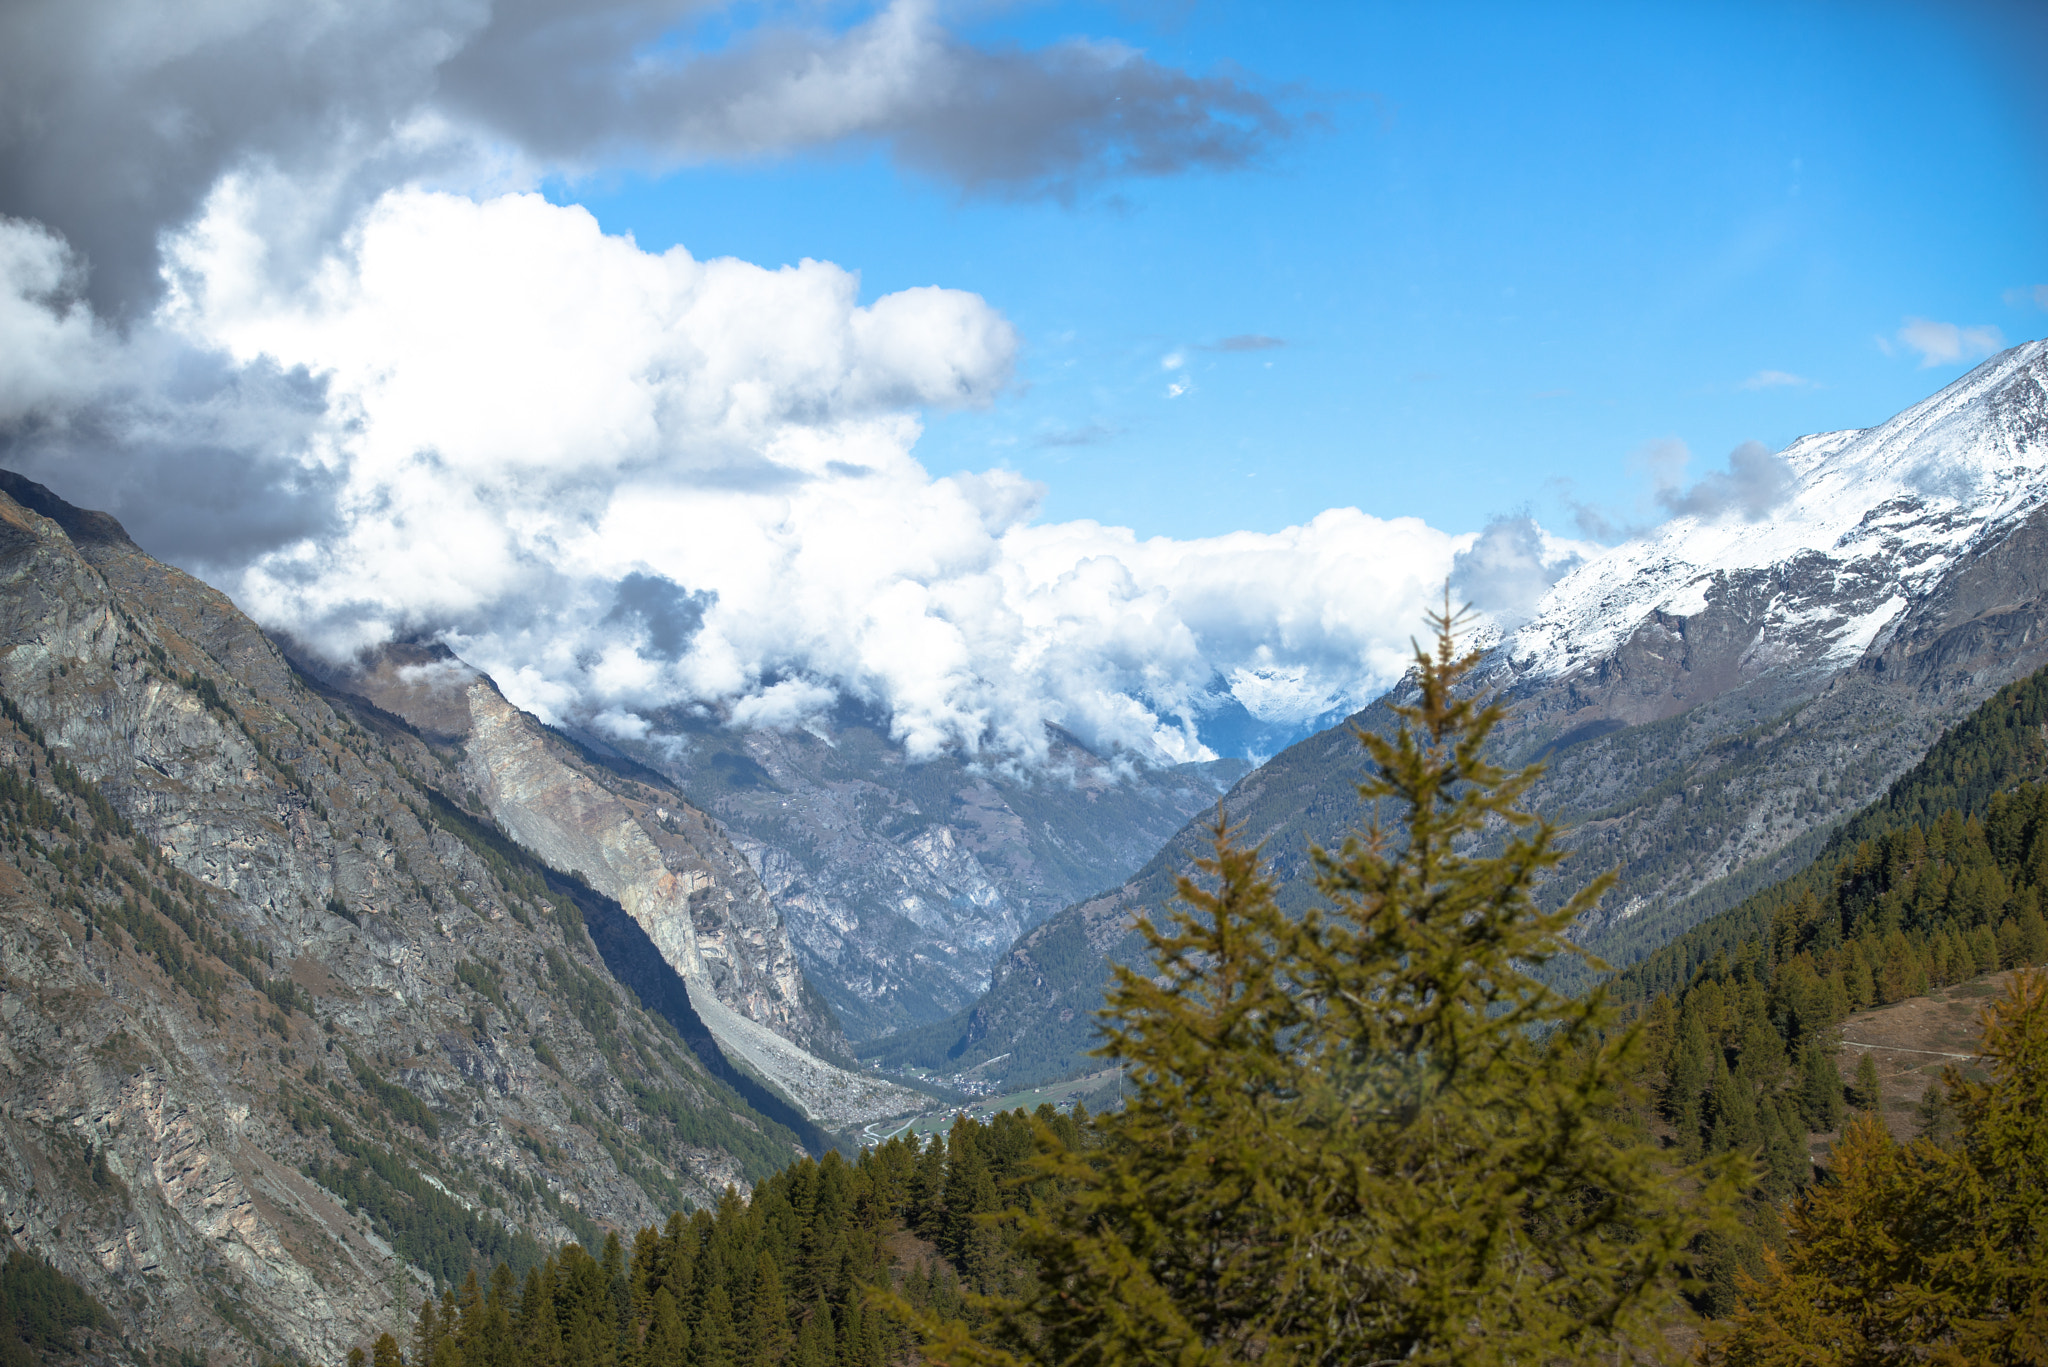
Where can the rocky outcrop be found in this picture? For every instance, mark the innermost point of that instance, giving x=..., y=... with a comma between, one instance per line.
x=285, y=1032
x=637, y=841
x=903, y=882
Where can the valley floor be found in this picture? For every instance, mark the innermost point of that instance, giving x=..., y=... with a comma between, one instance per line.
x=1095, y=1089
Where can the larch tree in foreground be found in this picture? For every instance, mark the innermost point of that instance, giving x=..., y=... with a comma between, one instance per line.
x=1367, y=1134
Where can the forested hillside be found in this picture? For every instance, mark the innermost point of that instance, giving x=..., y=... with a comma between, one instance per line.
x=1940, y=881
x=785, y=1276
x=1999, y=745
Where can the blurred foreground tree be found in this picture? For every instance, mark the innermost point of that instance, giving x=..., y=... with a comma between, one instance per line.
x=1368, y=1134
x=1923, y=1252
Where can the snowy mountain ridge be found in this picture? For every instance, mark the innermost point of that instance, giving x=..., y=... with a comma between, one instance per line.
x=1874, y=520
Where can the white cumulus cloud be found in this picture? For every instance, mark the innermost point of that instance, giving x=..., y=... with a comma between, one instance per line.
x=624, y=482
x=323, y=360
x=54, y=349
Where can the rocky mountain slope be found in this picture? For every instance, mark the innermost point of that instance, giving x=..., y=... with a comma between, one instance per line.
x=287, y=1027
x=635, y=840
x=1709, y=699
x=902, y=883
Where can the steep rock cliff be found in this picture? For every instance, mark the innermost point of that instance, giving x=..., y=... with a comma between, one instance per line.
x=282, y=1036
x=633, y=838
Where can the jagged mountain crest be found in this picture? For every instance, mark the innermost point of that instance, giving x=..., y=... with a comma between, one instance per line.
x=1874, y=521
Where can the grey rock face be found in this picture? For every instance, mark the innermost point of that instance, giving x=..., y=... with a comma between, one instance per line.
x=902, y=883
x=243, y=957
x=1711, y=699
x=667, y=864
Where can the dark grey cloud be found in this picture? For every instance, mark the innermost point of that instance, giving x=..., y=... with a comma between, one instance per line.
x=1248, y=341
x=117, y=119
x=669, y=614
x=201, y=461
x=1506, y=572
x=1756, y=481
x=1021, y=124
x=570, y=82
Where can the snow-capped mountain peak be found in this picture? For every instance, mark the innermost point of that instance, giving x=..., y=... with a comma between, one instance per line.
x=1871, y=523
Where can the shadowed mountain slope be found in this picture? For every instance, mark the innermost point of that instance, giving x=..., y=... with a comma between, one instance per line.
x=633, y=839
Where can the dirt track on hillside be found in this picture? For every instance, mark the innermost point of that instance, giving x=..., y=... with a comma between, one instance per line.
x=1913, y=1041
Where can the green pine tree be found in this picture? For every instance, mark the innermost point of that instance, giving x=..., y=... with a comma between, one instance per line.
x=852, y=1335
x=539, y=1332
x=467, y=1325
x=1868, y=1092
x=1820, y=1089
x=1367, y=1134
x=1691, y=1070
x=447, y=1350
x=768, y=1336
x=714, y=1342
x=928, y=1187
x=814, y=1345
x=1733, y=1105
x=427, y=1331
x=2033, y=937
x=668, y=1342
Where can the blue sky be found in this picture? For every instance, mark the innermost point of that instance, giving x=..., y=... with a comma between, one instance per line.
x=1511, y=246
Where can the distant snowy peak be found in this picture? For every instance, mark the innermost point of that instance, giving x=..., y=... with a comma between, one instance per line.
x=1875, y=518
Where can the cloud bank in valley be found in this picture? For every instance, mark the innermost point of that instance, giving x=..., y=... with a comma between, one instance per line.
x=620, y=481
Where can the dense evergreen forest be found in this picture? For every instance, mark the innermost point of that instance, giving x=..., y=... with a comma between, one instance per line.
x=785, y=1276
x=42, y=1308
x=1971, y=774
